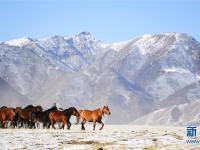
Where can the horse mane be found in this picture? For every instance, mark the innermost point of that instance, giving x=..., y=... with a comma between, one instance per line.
x=40, y=107
x=70, y=108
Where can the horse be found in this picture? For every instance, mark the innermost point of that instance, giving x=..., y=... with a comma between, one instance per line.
x=15, y=120
x=42, y=116
x=69, y=112
x=3, y=107
x=3, y=119
x=58, y=116
x=24, y=115
x=6, y=114
x=93, y=116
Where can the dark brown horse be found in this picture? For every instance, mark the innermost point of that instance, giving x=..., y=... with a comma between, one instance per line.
x=6, y=114
x=58, y=116
x=24, y=115
x=93, y=116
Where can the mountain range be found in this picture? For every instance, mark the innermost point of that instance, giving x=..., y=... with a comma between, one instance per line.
x=152, y=79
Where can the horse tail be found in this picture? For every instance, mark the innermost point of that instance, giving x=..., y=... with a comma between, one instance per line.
x=77, y=119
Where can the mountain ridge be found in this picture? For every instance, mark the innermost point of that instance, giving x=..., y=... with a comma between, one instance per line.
x=135, y=77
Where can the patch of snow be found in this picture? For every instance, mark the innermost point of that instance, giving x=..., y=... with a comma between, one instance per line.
x=181, y=71
x=18, y=42
x=117, y=46
x=198, y=76
x=178, y=70
x=144, y=42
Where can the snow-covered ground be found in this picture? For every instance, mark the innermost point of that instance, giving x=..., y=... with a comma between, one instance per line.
x=111, y=137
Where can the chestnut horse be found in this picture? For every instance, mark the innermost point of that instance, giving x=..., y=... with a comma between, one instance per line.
x=93, y=116
x=6, y=114
x=58, y=116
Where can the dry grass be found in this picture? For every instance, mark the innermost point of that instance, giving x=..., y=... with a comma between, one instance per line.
x=152, y=147
x=82, y=142
x=95, y=144
x=175, y=135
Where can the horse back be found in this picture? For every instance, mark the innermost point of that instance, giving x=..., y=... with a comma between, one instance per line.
x=57, y=115
x=89, y=115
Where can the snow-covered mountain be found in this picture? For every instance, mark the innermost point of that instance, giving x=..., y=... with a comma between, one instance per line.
x=136, y=78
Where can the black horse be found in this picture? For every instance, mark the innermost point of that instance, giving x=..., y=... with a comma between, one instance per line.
x=43, y=117
x=69, y=112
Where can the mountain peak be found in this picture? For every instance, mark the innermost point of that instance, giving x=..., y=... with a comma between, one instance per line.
x=84, y=33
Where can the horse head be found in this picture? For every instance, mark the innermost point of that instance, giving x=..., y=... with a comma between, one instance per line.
x=105, y=110
x=75, y=112
x=18, y=109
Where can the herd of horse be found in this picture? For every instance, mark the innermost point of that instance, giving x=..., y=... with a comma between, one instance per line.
x=31, y=117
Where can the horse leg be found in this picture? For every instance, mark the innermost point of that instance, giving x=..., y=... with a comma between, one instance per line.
x=33, y=125
x=44, y=125
x=59, y=125
x=20, y=122
x=48, y=124
x=1, y=124
x=82, y=124
x=68, y=125
x=37, y=124
x=94, y=125
x=4, y=124
x=13, y=124
x=53, y=123
x=63, y=124
x=102, y=124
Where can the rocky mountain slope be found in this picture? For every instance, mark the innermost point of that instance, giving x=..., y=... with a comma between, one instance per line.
x=136, y=78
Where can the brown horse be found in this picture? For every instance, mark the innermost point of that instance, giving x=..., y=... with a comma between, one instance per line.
x=6, y=114
x=58, y=116
x=3, y=119
x=93, y=116
x=24, y=115
x=15, y=121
